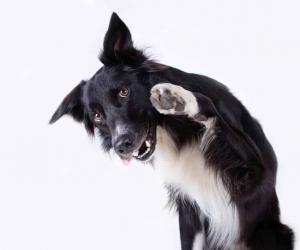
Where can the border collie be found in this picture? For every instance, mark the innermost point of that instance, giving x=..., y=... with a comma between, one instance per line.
x=217, y=164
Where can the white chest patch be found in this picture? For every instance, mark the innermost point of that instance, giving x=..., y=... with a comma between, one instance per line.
x=187, y=171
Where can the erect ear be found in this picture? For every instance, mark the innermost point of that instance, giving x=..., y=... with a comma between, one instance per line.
x=118, y=45
x=71, y=105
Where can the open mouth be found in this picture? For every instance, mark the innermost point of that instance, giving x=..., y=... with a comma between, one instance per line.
x=148, y=146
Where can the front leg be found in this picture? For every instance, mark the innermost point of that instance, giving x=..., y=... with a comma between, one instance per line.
x=226, y=147
x=190, y=227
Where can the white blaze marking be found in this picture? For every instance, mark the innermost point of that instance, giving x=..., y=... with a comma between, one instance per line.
x=121, y=129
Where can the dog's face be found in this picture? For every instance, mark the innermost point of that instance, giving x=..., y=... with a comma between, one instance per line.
x=115, y=101
x=117, y=104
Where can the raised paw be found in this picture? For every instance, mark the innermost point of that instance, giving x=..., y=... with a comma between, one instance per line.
x=168, y=98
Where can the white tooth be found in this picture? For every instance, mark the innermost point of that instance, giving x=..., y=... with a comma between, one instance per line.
x=148, y=144
x=135, y=153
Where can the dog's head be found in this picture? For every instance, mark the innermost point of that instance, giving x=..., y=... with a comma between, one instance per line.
x=115, y=101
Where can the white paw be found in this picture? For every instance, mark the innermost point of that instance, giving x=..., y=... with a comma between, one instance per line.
x=173, y=99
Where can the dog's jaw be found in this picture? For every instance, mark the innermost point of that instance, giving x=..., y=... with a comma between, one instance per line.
x=145, y=151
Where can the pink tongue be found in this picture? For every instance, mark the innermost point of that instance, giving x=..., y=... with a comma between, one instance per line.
x=126, y=161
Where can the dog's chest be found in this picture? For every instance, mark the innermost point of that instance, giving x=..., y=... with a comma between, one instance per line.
x=188, y=173
x=186, y=170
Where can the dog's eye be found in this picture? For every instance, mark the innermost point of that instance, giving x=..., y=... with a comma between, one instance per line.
x=123, y=92
x=98, y=118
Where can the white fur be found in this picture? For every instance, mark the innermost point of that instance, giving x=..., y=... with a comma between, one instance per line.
x=199, y=241
x=209, y=134
x=188, y=171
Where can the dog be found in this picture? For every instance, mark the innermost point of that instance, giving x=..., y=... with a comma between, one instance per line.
x=218, y=166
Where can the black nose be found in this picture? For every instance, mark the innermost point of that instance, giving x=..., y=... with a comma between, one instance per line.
x=124, y=145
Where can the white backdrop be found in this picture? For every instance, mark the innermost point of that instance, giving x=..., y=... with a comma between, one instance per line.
x=58, y=191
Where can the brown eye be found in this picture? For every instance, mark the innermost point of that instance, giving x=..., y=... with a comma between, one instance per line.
x=123, y=92
x=98, y=118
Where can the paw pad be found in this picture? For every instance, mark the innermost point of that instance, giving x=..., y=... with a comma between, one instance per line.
x=171, y=99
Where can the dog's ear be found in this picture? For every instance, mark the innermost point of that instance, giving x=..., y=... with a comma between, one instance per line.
x=117, y=39
x=71, y=105
x=118, y=45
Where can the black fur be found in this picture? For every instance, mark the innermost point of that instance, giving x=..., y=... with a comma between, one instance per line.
x=241, y=153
